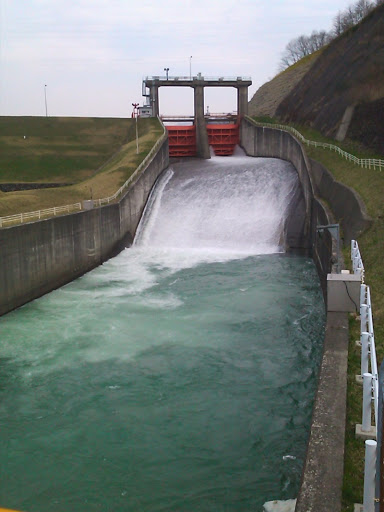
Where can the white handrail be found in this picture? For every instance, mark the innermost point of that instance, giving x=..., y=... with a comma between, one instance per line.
x=39, y=214
x=370, y=376
x=367, y=163
x=368, y=345
x=57, y=210
x=357, y=262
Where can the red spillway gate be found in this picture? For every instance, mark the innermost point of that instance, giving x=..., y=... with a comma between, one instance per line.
x=182, y=140
x=222, y=137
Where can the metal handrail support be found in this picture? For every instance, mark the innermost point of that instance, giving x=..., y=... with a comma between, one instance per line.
x=357, y=262
x=370, y=476
x=369, y=372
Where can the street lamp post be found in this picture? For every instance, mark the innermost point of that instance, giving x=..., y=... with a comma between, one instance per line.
x=136, y=114
x=190, y=67
x=45, y=97
x=166, y=70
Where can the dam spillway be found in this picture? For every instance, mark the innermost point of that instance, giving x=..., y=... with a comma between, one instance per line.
x=179, y=375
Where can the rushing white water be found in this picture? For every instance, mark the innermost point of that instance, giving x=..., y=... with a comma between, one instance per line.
x=178, y=375
x=224, y=208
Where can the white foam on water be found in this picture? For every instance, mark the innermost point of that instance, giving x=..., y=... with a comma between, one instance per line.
x=220, y=209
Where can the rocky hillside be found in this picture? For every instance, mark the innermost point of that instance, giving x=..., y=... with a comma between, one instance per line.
x=267, y=99
x=341, y=93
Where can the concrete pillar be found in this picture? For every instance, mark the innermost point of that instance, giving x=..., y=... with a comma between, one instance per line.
x=242, y=100
x=202, y=144
x=154, y=99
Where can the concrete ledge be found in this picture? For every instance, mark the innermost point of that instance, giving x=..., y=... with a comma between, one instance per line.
x=364, y=435
x=324, y=465
x=279, y=506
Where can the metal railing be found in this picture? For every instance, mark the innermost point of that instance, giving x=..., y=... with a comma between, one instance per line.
x=370, y=377
x=368, y=361
x=367, y=163
x=357, y=262
x=19, y=218
x=170, y=78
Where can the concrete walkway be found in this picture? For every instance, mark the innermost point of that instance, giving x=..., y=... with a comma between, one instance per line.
x=323, y=471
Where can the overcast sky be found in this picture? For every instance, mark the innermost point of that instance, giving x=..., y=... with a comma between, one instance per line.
x=93, y=54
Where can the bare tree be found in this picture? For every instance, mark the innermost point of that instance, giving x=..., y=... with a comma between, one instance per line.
x=318, y=39
x=362, y=8
x=338, y=24
x=352, y=15
x=302, y=46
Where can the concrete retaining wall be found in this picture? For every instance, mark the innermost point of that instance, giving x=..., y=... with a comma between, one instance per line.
x=345, y=203
x=37, y=257
x=308, y=212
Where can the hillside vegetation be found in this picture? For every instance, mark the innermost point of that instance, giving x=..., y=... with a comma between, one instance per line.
x=94, y=156
x=268, y=98
x=347, y=74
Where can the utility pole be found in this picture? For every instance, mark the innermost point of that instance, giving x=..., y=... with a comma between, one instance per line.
x=190, y=67
x=45, y=96
x=166, y=70
x=136, y=114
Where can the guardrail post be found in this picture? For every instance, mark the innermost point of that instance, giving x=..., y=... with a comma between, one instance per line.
x=363, y=293
x=367, y=399
x=366, y=430
x=369, y=476
x=364, y=337
x=364, y=309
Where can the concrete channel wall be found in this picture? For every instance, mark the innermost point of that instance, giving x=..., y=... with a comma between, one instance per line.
x=37, y=257
x=308, y=211
x=322, y=476
x=344, y=202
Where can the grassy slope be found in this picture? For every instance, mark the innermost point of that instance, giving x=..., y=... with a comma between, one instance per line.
x=369, y=184
x=96, y=155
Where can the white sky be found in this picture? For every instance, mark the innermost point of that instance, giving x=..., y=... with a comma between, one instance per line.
x=93, y=54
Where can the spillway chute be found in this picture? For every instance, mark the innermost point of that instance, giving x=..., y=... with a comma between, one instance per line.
x=220, y=208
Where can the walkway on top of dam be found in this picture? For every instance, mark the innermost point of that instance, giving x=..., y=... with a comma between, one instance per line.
x=192, y=81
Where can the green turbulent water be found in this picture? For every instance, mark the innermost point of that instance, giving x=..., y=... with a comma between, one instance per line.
x=178, y=376
x=192, y=393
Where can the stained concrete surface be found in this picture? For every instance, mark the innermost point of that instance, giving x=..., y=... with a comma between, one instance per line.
x=324, y=466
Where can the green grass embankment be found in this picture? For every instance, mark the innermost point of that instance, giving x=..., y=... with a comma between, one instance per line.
x=369, y=184
x=95, y=155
